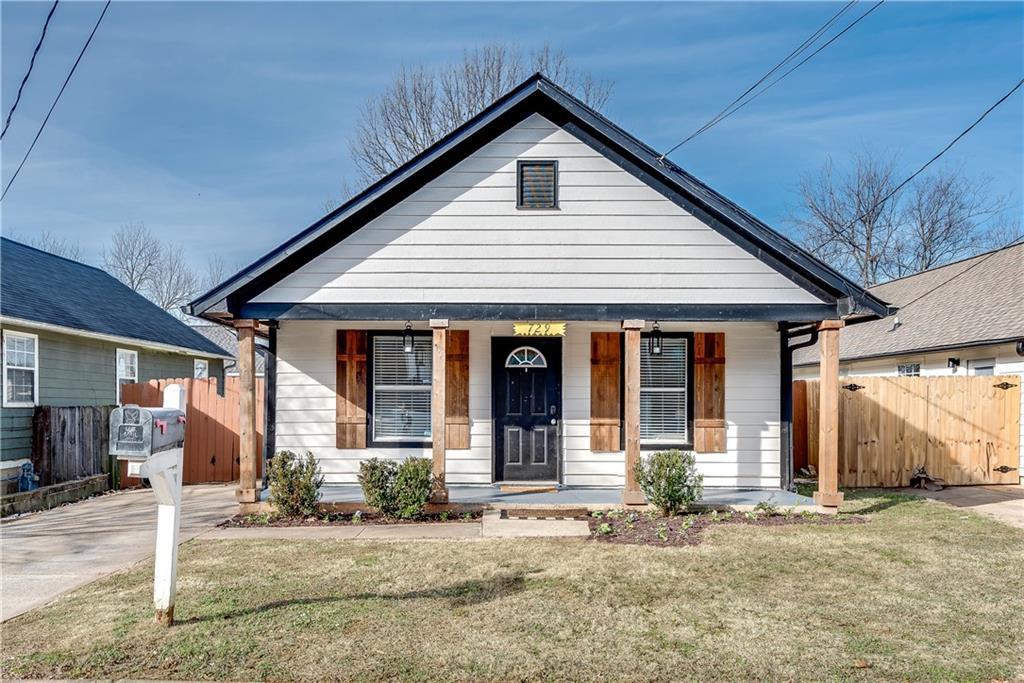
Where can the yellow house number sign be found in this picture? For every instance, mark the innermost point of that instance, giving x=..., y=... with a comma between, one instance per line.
x=538, y=329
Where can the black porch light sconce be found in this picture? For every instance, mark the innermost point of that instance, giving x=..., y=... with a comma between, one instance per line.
x=952, y=363
x=1020, y=347
x=654, y=341
x=407, y=337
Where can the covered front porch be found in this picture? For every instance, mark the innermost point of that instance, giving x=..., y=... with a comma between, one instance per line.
x=323, y=399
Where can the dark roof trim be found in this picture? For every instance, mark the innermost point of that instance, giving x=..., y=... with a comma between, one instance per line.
x=663, y=312
x=923, y=349
x=539, y=95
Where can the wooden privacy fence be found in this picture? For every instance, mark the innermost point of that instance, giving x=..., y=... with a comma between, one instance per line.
x=965, y=430
x=211, y=425
x=70, y=443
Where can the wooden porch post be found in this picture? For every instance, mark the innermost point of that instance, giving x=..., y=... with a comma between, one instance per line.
x=247, y=455
x=828, y=494
x=437, y=409
x=631, y=494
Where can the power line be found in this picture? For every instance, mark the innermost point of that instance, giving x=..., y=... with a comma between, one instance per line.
x=56, y=100
x=793, y=53
x=31, y=63
x=935, y=158
x=969, y=268
x=733, y=108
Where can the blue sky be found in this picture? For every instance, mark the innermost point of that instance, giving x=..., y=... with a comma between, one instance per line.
x=225, y=126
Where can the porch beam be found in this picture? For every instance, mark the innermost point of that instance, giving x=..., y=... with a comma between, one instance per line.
x=247, y=455
x=437, y=408
x=828, y=494
x=631, y=494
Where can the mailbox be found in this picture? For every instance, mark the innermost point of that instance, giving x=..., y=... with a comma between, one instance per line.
x=136, y=433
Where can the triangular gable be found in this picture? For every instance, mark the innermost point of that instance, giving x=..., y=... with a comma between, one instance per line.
x=426, y=176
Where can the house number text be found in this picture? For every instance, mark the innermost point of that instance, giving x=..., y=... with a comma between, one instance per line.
x=538, y=329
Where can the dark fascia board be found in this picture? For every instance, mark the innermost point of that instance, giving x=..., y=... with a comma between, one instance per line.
x=593, y=312
x=539, y=95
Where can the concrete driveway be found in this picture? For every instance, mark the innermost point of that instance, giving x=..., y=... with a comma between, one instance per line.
x=49, y=553
x=1004, y=502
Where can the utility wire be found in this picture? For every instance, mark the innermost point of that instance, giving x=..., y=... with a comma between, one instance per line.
x=793, y=53
x=733, y=108
x=31, y=63
x=969, y=268
x=935, y=158
x=56, y=100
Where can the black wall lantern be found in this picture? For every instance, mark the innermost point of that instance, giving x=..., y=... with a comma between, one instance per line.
x=407, y=337
x=953, y=363
x=654, y=341
x=1020, y=347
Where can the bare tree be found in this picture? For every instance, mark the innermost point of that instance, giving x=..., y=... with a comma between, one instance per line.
x=59, y=246
x=942, y=215
x=134, y=256
x=422, y=105
x=173, y=283
x=216, y=272
x=841, y=222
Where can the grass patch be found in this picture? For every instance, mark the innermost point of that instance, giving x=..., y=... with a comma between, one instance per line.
x=921, y=592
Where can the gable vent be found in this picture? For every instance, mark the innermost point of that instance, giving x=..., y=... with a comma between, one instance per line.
x=537, y=185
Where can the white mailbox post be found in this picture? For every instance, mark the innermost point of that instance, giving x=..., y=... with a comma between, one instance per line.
x=152, y=441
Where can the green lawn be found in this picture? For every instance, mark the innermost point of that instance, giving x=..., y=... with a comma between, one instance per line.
x=921, y=592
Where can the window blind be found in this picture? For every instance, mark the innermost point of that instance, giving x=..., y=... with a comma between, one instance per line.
x=401, y=389
x=663, y=392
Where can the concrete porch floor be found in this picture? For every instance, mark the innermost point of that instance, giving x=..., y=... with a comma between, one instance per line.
x=591, y=497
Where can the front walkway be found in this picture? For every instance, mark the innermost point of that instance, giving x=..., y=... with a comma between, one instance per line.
x=1004, y=503
x=593, y=497
x=49, y=553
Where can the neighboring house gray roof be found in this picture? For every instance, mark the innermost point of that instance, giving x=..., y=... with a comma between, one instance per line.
x=967, y=303
x=226, y=338
x=39, y=287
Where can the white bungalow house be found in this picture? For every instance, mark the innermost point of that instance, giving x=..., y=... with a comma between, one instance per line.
x=537, y=298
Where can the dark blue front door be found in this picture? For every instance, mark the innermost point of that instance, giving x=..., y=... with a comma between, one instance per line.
x=527, y=389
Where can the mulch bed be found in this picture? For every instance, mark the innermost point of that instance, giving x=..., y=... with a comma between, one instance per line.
x=644, y=528
x=345, y=519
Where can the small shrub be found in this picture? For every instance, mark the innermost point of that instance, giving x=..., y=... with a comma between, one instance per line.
x=444, y=516
x=357, y=517
x=767, y=508
x=670, y=480
x=412, y=487
x=377, y=479
x=662, y=532
x=295, y=484
x=597, y=514
x=396, y=490
x=605, y=528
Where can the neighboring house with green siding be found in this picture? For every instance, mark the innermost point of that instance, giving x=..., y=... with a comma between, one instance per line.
x=72, y=335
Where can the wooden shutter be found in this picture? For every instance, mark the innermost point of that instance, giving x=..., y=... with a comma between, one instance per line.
x=456, y=392
x=605, y=391
x=709, y=392
x=350, y=404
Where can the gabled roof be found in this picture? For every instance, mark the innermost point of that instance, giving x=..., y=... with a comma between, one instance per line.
x=979, y=300
x=40, y=288
x=539, y=95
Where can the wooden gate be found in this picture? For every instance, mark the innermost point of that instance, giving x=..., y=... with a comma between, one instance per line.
x=965, y=430
x=211, y=428
x=70, y=442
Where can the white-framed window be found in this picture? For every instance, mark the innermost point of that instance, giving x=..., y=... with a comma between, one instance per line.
x=127, y=369
x=665, y=392
x=200, y=368
x=909, y=369
x=981, y=366
x=21, y=369
x=400, y=393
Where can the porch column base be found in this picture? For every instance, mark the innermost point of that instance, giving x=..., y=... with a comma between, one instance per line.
x=439, y=493
x=246, y=495
x=630, y=497
x=828, y=500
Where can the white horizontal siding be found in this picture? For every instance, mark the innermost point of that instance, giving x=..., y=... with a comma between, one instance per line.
x=306, y=396
x=460, y=239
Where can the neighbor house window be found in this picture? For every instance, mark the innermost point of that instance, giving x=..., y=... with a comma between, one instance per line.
x=21, y=369
x=200, y=368
x=981, y=366
x=537, y=185
x=127, y=369
x=401, y=389
x=909, y=369
x=665, y=392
